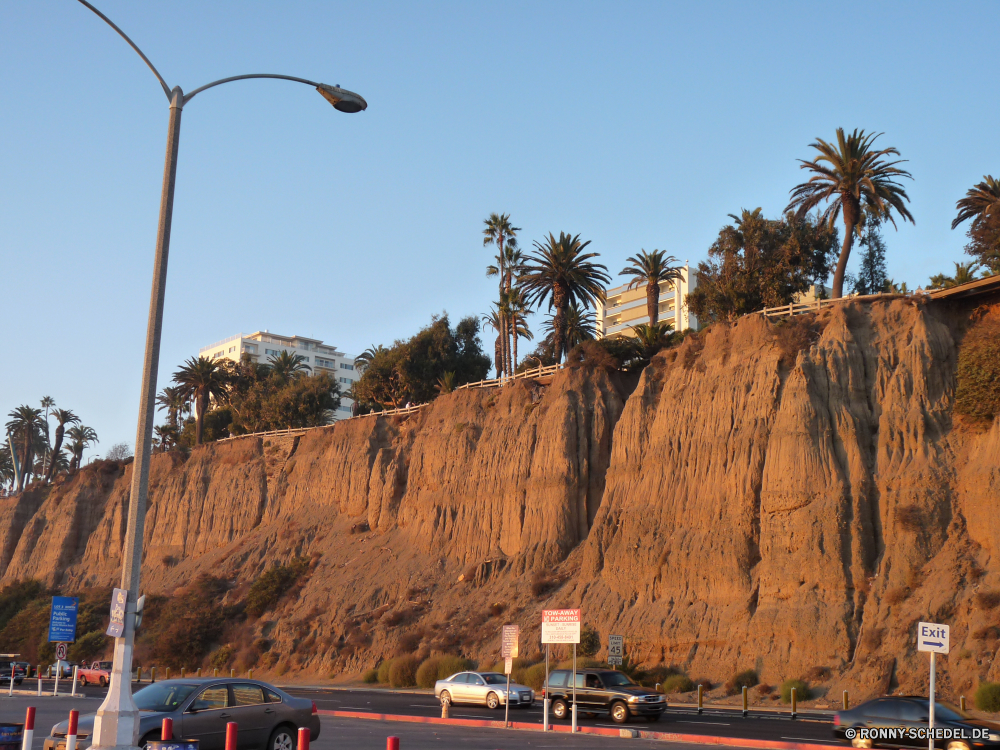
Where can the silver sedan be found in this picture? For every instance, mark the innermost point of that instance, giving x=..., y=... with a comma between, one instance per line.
x=484, y=688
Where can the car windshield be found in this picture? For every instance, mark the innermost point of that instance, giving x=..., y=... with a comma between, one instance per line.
x=616, y=679
x=944, y=713
x=163, y=696
x=494, y=678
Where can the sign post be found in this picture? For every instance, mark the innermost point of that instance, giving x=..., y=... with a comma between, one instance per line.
x=935, y=639
x=508, y=650
x=560, y=626
x=62, y=619
x=616, y=649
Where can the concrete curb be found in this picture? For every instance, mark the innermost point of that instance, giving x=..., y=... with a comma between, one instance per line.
x=693, y=739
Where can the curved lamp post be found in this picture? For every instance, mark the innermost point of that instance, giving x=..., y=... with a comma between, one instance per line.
x=117, y=722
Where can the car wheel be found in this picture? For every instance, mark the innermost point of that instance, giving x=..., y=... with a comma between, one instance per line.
x=281, y=739
x=958, y=745
x=559, y=709
x=446, y=697
x=858, y=742
x=103, y=682
x=83, y=681
x=492, y=701
x=619, y=712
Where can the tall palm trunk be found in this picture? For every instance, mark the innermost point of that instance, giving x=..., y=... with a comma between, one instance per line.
x=514, y=344
x=56, y=447
x=200, y=405
x=653, y=301
x=560, y=301
x=852, y=214
x=498, y=352
x=511, y=330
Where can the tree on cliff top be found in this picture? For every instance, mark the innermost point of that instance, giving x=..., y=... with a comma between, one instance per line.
x=560, y=272
x=857, y=180
x=982, y=204
x=651, y=269
x=409, y=371
x=198, y=379
x=758, y=262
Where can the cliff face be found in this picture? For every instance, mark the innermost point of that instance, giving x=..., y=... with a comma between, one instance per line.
x=775, y=496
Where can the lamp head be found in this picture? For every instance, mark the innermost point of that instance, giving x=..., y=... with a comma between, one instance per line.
x=342, y=99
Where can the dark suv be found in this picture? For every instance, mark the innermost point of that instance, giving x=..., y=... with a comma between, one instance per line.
x=603, y=691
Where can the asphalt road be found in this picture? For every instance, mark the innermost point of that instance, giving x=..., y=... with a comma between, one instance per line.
x=679, y=718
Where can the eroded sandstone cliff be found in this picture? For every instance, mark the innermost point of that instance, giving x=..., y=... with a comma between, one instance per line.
x=776, y=496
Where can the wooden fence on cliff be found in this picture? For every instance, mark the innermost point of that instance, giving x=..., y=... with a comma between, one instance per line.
x=534, y=374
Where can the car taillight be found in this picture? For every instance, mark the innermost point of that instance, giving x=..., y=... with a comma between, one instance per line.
x=315, y=710
x=836, y=720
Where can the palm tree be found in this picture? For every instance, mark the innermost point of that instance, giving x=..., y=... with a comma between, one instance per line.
x=286, y=365
x=649, y=339
x=365, y=358
x=891, y=287
x=560, y=272
x=446, y=383
x=980, y=203
x=81, y=436
x=964, y=273
x=492, y=319
x=580, y=326
x=6, y=467
x=858, y=181
x=517, y=321
x=198, y=380
x=166, y=435
x=499, y=231
x=26, y=426
x=63, y=417
x=47, y=403
x=172, y=399
x=652, y=269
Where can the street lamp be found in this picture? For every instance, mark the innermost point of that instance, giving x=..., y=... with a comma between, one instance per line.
x=117, y=722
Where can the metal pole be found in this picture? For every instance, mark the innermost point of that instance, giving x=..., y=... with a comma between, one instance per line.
x=930, y=741
x=117, y=720
x=701, y=698
x=75, y=668
x=545, y=700
x=574, y=688
x=506, y=705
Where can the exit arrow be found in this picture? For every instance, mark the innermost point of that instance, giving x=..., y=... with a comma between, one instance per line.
x=932, y=643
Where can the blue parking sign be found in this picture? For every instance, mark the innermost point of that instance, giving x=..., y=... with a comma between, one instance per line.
x=62, y=620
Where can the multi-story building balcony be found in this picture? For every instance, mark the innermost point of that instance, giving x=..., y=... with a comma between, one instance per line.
x=623, y=307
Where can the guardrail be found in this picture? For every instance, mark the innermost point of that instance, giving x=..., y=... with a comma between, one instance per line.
x=540, y=372
x=809, y=307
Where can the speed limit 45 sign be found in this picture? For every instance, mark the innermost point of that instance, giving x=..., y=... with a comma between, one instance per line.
x=616, y=649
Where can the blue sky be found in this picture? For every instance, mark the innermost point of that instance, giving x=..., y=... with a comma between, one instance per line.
x=636, y=125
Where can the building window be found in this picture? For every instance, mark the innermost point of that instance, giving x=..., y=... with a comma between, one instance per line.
x=345, y=366
x=252, y=349
x=271, y=352
x=232, y=349
x=346, y=381
x=320, y=362
x=304, y=358
x=344, y=408
x=217, y=355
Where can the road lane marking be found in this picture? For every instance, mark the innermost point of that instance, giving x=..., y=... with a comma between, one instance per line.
x=812, y=739
x=353, y=708
x=710, y=723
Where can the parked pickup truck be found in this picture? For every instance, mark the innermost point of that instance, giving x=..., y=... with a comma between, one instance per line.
x=98, y=673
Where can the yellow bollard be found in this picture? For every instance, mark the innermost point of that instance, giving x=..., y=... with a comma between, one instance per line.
x=232, y=673
x=701, y=698
x=215, y=672
x=793, y=703
x=847, y=702
x=962, y=703
x=182, y=673
x=152, y=675
x=746, y=709
x=249, y=674
x=199, y=673
x=168, y=673
x=138, y=674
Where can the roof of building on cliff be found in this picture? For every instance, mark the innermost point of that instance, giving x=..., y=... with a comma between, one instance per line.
x=989, y=285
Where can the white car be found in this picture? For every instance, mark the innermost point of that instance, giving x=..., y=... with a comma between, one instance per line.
x=484, y=688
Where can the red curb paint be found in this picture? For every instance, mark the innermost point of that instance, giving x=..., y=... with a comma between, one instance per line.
x=694, y=739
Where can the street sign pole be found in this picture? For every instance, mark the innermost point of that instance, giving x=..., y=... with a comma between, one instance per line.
x=545, y=700
x=930, y=741
x=935, y=639
x=574, y=688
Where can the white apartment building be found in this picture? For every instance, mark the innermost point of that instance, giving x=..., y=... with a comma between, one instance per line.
x=263, y=345
x=623, y=307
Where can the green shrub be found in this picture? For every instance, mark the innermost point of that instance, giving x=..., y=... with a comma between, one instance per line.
x=383, y=671
x=801, y=691
x=677, y=683
x=427, y=673
x=977, y=394
x=89, y=647
x=590, y=642
x=370, y=677
x=222, y=657
x=745, y=679
x=403, y=672
x=267, y=590
x=449, y=665
x=533, y=676
x=15, y=596
x=988, y=697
